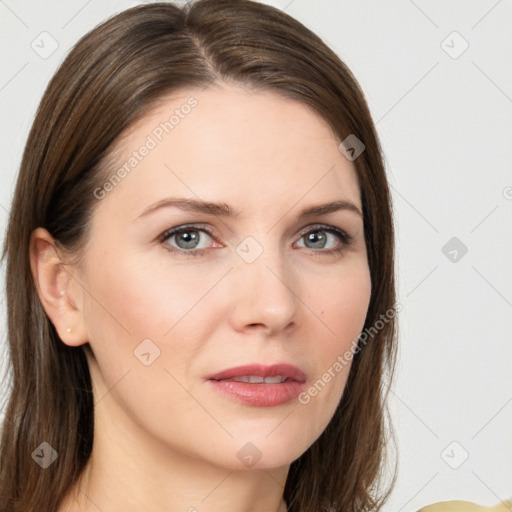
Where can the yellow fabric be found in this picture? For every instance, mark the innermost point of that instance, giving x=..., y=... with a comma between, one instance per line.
x=466, y=506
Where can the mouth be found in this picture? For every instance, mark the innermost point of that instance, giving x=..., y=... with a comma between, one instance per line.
x=257, y=379
x=259, y=385
x=259, y=374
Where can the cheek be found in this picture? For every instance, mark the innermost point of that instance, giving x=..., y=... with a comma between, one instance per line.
x=143, y=300
x=342, y=305
x=130, y=301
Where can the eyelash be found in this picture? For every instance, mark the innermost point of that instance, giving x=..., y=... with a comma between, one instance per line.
x=345, y=239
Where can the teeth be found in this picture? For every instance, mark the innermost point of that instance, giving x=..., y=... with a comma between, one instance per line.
x=251, y=379
x=256, y=379
x=274, y=380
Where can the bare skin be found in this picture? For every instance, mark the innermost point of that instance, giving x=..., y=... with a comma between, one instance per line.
x=164, y=438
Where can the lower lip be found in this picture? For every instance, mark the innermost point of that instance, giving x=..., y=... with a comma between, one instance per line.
x=260, y=395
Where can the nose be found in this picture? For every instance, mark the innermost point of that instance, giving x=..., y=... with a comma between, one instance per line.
x=264, y=294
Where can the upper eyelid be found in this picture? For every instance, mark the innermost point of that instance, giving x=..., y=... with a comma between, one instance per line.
x=320, y=226
x=173, y=231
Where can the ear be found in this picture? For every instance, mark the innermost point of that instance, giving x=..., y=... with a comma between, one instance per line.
x=59, y=292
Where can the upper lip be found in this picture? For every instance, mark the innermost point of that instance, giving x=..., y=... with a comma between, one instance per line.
x=260, y=370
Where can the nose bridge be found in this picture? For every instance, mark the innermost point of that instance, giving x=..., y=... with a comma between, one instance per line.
x=264, y=284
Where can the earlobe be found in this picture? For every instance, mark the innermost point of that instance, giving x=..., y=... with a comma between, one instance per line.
x=56, y=289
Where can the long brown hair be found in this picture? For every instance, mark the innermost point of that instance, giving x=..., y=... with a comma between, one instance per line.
x=112, y=77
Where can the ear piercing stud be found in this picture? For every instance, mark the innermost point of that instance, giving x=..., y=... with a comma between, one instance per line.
x=68, y=329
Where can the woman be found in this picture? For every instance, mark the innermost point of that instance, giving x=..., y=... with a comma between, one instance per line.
x=200, y=284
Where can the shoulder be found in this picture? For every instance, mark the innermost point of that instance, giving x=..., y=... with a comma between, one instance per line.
x=466, y=506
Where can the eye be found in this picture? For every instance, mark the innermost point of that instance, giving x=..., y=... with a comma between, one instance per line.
x=189, y=240
x=327, y=239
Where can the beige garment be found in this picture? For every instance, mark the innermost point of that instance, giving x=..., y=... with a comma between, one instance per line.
x=466, y=506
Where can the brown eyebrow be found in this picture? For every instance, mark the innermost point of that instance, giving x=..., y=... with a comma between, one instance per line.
x=224, y=210
x=333, y=206
x=191, y=205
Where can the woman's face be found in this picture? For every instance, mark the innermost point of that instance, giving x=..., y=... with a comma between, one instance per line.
x=263, y=285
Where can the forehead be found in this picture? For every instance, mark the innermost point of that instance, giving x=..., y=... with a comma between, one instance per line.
x=228, y=143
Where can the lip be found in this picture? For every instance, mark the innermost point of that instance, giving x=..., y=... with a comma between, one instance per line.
x=262, y=394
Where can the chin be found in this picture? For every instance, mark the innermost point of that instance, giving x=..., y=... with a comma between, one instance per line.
x=264, y=451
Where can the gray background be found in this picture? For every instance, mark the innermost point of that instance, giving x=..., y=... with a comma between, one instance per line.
x=443, y=112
